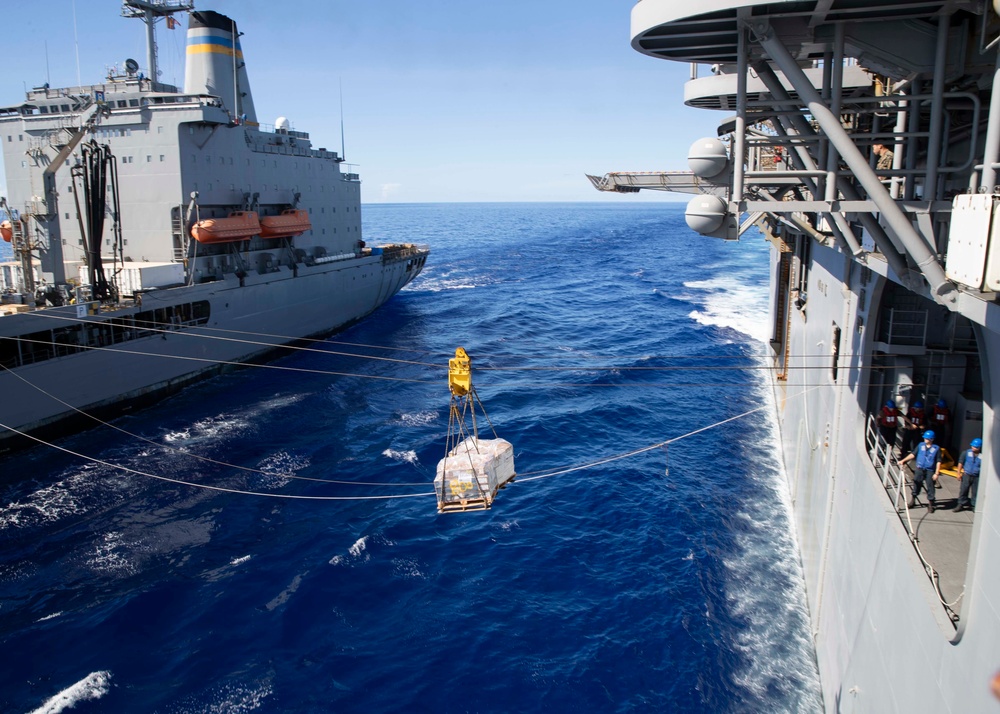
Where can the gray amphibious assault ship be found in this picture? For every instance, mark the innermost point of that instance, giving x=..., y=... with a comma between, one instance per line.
x=159, y=234
x=862, y=141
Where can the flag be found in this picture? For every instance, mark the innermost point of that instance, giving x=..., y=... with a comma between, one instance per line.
x=171, y=23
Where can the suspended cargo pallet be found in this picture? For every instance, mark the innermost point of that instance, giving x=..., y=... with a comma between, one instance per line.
x=469, y=477
x=473, y=469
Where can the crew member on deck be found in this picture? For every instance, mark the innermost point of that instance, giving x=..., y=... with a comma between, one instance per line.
x=914, y=423
x=887, y=418
x=928, y=457
x=884, y=157
x=969, y=463
x=941, y=421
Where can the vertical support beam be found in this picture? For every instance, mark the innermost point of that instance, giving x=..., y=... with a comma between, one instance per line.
x=912, y=142
x=991, y=153
x=937, y=109
x=902, y=117
x=837, y=90
x=915, y=246
x=150, y=19
x=824, y=146
x=739, y=136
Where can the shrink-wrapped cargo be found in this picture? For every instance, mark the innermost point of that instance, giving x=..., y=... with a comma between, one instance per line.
x=469, y=477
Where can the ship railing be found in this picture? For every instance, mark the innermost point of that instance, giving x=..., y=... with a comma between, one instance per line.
x=907, y=327
x=894, y=482
x=881, y=452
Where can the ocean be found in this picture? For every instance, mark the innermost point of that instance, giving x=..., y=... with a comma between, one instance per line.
x=324, y=580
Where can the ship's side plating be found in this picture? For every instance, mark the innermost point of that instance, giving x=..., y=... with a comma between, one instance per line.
x=883, y=289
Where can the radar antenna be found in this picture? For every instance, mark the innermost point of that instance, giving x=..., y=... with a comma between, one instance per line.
x=149, y=11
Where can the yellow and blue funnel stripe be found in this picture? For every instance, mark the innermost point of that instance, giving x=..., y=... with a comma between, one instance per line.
x=214, y=43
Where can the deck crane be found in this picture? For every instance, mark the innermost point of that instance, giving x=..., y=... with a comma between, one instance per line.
x=473, y=469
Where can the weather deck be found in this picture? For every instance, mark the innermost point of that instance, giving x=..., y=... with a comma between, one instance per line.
x=942, y=538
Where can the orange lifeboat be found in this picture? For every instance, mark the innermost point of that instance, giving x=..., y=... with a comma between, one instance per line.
x=7, y=231
x=292, y=222
x=240, y=225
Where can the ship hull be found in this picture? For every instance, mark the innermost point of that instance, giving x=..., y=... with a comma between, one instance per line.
x=885, y=633
x=248, y=322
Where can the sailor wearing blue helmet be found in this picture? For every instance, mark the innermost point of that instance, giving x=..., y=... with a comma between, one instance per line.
x=970, y=462
x=928, y=464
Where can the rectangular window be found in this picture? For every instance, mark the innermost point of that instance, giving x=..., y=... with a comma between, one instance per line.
x=162, y=157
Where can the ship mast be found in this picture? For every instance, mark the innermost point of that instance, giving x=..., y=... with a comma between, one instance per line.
x=150, y=11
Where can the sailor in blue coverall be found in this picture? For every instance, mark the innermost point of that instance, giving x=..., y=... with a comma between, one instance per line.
x=928, y=457
x=969, y=463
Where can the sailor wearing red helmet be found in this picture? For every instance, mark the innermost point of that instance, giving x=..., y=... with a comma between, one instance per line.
x=887, y=418
x=916, y=423
x=940, y=421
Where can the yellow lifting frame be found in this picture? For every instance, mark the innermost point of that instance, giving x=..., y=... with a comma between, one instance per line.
x=459, y=373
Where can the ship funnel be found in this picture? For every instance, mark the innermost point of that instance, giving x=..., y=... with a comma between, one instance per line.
x=215, y=63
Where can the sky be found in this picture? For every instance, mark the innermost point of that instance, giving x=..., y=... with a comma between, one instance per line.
x=443, y=101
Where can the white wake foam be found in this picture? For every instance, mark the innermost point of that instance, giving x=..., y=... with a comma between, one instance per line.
x=418, y=418
x=112, y=555
x=355, y=552
x=94, y=686
x=766, y=586
x=409, y=457
x=732, y=303
x=229, y=698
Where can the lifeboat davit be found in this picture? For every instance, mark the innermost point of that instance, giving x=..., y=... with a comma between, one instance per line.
x=292, y=222
x=7, y=231
x=240, y=225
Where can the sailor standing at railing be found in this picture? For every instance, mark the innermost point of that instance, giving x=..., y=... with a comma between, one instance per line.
x=928, y=458
x=887, y=418
x=970, y=462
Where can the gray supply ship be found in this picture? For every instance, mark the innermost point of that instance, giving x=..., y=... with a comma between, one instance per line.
x=160, y=233
x=862, y=140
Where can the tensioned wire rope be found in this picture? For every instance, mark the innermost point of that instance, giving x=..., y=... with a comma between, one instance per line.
x=571, y=368
x=345, y=482
x=168, y=329
x=531, y=476
x=199, y=457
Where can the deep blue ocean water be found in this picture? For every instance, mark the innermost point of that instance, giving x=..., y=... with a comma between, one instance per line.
x=666, y=581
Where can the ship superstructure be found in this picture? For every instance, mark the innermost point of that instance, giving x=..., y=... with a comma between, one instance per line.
x=160, y=233
x=862, y=140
